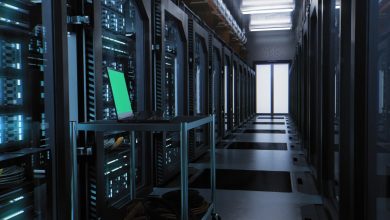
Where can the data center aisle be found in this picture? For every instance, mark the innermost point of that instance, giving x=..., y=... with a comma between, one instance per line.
x=262, y=173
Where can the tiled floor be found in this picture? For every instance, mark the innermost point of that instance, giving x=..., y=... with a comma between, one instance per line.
x=248, y=205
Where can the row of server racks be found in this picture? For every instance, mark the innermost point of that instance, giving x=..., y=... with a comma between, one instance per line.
x=54, y=57
x=339, y=92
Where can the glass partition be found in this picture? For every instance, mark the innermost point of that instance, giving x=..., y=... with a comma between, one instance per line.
x=379, y=119
x=122, y=40
x=174, y=67
x=263, y=89
x=25, y=157
x=217, y=89
x=280, y=87
x=336, y=39
x=200, y=86
x=226, y=92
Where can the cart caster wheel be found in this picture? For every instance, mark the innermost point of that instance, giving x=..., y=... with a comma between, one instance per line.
x=215, y=216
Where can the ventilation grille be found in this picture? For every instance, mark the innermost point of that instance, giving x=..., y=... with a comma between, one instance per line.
x=191, y=90
x=167, y=156
x=91, y=87
x=191, y=51
x=92, y=193
x=158, y=65
x=211, y=79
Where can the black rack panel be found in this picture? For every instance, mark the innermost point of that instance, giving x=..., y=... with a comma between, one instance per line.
x=168, y=152
x=24, y=156
x=170, y=67
x=227, y=91
x=198, y=83
x=234, y=90
x=217, y=86
x=116, y=40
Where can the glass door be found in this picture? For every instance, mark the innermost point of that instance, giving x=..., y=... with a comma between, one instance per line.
x=272, y=83
x=263, y=89
x=336, y=39
x=280, y=88
x=216, y=74
x=226, y=93
x=171, y=87
x=234, y=91
x=25, y=153
x=378, y=158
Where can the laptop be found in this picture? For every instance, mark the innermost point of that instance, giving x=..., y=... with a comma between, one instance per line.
x=123, y=107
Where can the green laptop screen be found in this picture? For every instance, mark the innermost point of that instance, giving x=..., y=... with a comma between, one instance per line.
x=120, y=93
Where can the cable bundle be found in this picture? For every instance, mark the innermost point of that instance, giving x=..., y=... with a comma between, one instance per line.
x=168, y=207
x=11, y=176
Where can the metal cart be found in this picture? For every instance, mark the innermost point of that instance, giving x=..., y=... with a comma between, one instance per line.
x=181, y=124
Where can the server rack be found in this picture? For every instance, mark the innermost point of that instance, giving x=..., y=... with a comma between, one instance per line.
x=25, y=140
x=253, y=89
x=247, y=101
x=198, y=83
x=252, y=92
x=217, y=86
x=248, y=93
x=227, y=94
x=234, y=86
x=170, y=95
x=117, y=37
x=240, y=83
x=244, y=97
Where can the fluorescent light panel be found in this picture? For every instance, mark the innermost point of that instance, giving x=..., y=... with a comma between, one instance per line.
x=270, y=29
x=266, y=2
x=269, y=15
x=273, y=21
x=267, y=11
x=270, y=26
x=274, y=18
x=257, y=7
x=266, y=7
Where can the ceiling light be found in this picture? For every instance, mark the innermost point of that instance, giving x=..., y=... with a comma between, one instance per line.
x=268, y=26
x=270, y=29
x=266, y=2
x=266, y=7
x=269, y=15
x=270, y=21
x=266, y=11
x=256, y=7
x=286, y=25
x=274, y=18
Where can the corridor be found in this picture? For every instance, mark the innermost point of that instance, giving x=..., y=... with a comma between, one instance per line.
x=262, y=173
x=194, y=110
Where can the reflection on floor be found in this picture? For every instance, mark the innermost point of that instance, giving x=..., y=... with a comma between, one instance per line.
x=260, y=183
